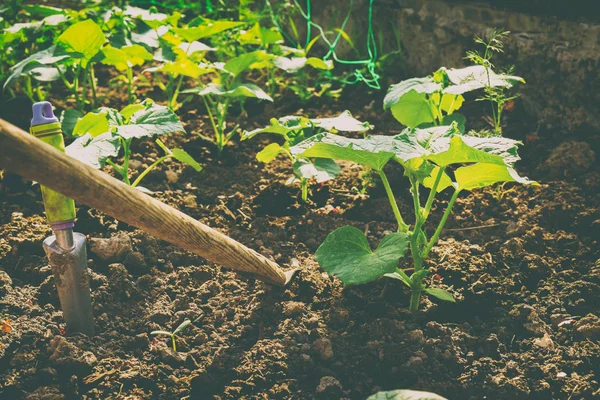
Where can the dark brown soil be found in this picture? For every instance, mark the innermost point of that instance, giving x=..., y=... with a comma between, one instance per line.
x=524, y=270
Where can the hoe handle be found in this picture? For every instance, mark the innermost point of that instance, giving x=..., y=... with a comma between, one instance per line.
x=29, y=157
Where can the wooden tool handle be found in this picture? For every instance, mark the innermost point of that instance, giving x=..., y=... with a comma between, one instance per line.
x=29, y=157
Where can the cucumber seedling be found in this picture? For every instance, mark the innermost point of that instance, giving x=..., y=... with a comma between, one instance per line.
x=295, y=129
x=435, y=158
x=173, y=335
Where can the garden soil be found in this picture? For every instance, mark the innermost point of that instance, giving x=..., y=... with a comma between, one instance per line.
x=522, y=263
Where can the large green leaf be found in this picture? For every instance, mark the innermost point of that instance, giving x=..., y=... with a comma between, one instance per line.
x=373, y=152
x=94, y=150
x=153, y=120
x=413, y=109
x=481, y=175
x=94, y=124
x=152, y=19
x=194, y=47
x=84, y=37
x=346, y=253
x=241, y=63
x=477, y=77
x=321, y=169
x=183, y=66
x=41, y=58
x=419, y=85
x=269, y=153
x=402, y=394
x=209, y=28
x=344, y=122
x=236, y=91
x=125, y=57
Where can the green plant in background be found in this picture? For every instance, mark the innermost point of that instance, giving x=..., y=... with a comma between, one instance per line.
x=497, y=95
x=295, y=129
x=173, y=335
x=228, y=88
x=427, y=156
x=102, y=134
x=405, y=394
x=124, y=59
x=433, y=100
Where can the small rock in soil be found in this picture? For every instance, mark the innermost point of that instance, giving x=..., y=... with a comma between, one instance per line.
x=66, y=355
x=531, y=321
x=516, y=229
x=291, y=308
x=589, y=327
x=120, y=279
x=323, y=348
x=329, y=387
x=45, y=393
x=172, y=176
x=171, y=357
x=5, y=279
x=416, y=336
x=135, y=165
x=136, y=262
x=113, y=249
x=569, y=159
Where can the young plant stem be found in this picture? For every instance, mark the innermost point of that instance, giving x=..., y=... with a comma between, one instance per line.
x=433, y=192
x=76, y=87
x=93, y=85
x=173, y=99
x=130, y=85
x=173, y=340
x=304, y=184
x=150, y=168
x=402, y=227
x=126, y=143
x=440, y=227
x=415, y=299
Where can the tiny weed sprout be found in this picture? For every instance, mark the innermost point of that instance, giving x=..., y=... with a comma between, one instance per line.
x=102, y=134
x=436, y=158
x=295, y=129
x=495, y=94
x=185, y=324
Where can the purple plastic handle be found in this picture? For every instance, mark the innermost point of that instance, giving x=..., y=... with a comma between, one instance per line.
x=42, y=113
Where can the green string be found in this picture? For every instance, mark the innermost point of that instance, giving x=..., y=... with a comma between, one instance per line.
x=371, y=79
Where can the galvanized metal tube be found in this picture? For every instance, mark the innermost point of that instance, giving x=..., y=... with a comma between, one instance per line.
x=72, y=281
x=64, y=239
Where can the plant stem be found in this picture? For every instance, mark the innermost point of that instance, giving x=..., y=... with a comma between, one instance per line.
x=126, y=152
x=304, y=184
x=433, y=192
x=150, y=168
x=402, y=227
x=130, y=85
x=176, y=93
x=76, y=87
x=440, y=227
x=93, y=86
x=173, y=340
x=415, y=299
x=211, y=117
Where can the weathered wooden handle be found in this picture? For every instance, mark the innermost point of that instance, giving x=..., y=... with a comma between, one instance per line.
x=33, y=159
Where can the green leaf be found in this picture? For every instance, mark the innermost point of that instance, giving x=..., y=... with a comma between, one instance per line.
x=419, y=85
x=45, y=74
x=241, y=63
x=269, y=153
x=41, y=58
x=344, y=122
x=373, y=152
x=125, y=57
x=94, y=151
x=92, y=123
x=183, y=326
x=322, y=169
x=194, y=47
x=412, y=109
x=152, y=19
x=84, y=37
x=41, y=10
x=161, y=332
x=210, y=28
x=283, y=126
x=68, y=119
x=396, y=275
x=346, y=253
x=153, y=120
x=236, y=91
x=440, y=294
x=319, y=63
x=460, y=120
x=478, y=77
x=259, y=35
x=481, y=175
x=294, y=64
x=403, y=394
x=184, y=157
x=129, y=110
x=445, y=181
